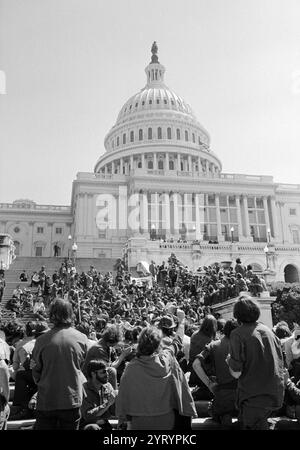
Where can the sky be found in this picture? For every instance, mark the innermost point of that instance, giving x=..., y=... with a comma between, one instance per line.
x=70, y=65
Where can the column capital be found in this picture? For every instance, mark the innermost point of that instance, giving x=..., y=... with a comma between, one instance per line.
x=31, y=223
x=50, y=224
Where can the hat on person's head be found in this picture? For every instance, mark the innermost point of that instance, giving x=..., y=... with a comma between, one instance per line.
x=41, y=328
x=167, y=322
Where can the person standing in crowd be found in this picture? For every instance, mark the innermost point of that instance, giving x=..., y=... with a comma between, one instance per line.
x=98, y=398
x=199, y=339
x=57, y=359
x=256, y=360
x=153, y=392
x=56, y=250
x=42, y=276
x=211, y=368
x=240, y=268
x=153, y=270
x=23, y=348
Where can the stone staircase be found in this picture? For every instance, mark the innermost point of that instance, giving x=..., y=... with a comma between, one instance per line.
x=32, y=264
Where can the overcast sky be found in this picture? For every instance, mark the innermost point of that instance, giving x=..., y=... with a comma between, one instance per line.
x=70, y=65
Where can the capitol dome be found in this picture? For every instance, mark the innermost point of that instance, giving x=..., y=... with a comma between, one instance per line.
x=157, y=120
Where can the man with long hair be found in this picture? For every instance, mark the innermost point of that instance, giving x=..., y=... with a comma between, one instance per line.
x=58, y=356
x=255, y=359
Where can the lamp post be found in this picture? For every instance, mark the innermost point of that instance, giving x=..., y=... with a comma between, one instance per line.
x=269, y=235
x=153, y=232
x=74, y=250
x=266, y=250
x=69, y=246
x=231, y=231
x=194, y=233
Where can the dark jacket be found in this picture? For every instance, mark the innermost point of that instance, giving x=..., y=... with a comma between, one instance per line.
x=58, y=356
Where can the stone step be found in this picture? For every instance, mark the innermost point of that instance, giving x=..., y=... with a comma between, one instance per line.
x=204, y=423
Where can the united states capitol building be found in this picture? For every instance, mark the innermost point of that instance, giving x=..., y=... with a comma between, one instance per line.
x=159, y=188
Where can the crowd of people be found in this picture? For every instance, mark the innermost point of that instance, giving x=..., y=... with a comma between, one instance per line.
x=99, y=339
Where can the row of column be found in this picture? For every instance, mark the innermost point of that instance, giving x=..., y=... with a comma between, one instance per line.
x=242, y=213
x=190, y=164
x=85, y=214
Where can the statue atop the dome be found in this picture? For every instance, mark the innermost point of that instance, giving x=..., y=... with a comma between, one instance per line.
x=154, y=50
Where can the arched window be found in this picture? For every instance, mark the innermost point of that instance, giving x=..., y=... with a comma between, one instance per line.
x=291, y=274
x=140, y=135
x=171, y=165
x=124, y=138
x=149, y=133
x=177, y=133
x=139, y=164
x=118, y=141
x=159, y=133
x=160, y=164
x=186, y=135
x=169, y=133
x=150, y=164
x=193, y=137
x=131, y=136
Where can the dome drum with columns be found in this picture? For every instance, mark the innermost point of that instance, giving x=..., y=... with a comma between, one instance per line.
x=158, y=169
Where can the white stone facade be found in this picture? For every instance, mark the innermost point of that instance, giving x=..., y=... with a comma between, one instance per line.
x=160, y=171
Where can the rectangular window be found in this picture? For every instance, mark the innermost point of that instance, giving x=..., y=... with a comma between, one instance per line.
x=213, y=232
x=250, y=202
x=262, y=233
x=38, y=251
x=261, y=217
x=40, y=230
x=58, y=230
x=224, y=215
x=223, y=200
x=231, y=201
x=252, y=216
x=259, y=203
x=295, y=234
x=212, y=215
x=211, y=200
x=233, y=215
x=293, y=212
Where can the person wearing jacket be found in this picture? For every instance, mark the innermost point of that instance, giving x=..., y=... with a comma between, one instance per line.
x=153, y=392
x=58, y=356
